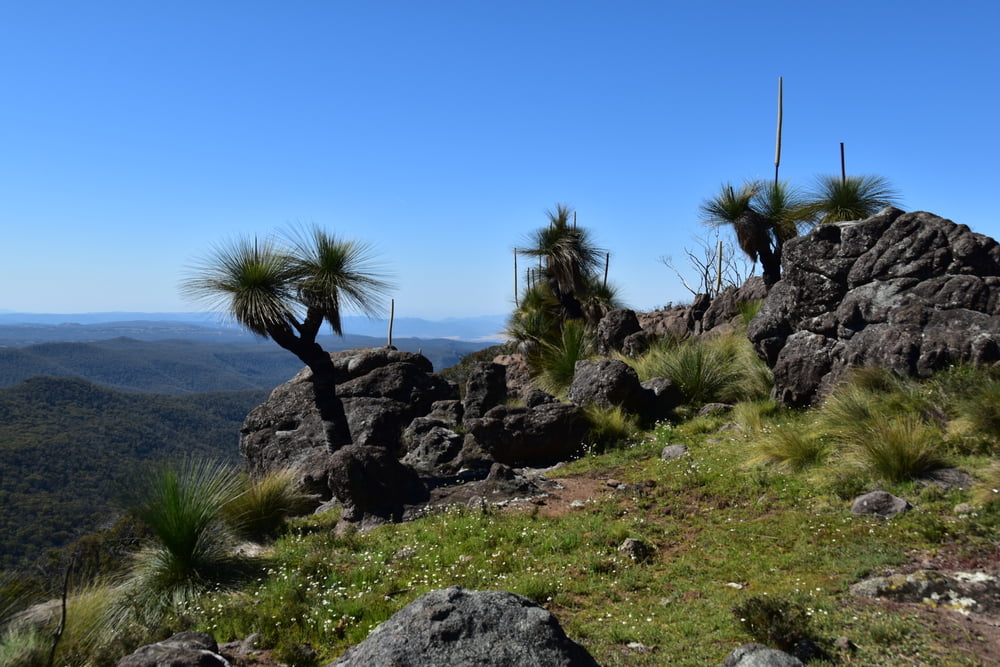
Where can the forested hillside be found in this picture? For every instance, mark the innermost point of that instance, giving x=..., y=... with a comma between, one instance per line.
x=66, y=443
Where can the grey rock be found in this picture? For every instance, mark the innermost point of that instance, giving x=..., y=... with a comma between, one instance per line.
x=613, y=330
x=672, y=452
x=459, y=627
x=537, y=436
x=606, y=384
x=663, y=397
x=432, y=450
x=758, y=655
x=485, y=388
x=880, y=504
x=372, y=485
x=964, y=592
x=186, y=649
x=637, y=550
x=910, y=292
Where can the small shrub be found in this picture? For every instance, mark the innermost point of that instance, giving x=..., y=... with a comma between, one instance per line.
x=774, y=621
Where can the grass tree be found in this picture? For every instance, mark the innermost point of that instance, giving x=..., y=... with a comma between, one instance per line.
x=841, y=198
x=569, y=259
x=286, y=290
x=763, y=216
x=564, y=298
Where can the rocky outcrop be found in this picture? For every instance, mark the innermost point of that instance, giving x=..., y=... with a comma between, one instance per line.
x=455, y=626
x=381, y=391
x=964, y=592
x=910, y=292
x=614, y=329
x=485, y=388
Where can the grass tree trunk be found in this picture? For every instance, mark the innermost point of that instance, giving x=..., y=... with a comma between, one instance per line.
x=324, y=382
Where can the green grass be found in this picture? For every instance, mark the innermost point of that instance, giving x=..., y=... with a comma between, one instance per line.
x=730, y=531
x=719, y=369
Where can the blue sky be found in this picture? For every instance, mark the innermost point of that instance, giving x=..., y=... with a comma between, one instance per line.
x=135, y=135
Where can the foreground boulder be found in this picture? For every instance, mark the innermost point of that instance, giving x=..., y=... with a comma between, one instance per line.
x=909, y=292
x=187, y=649
x=460, y=627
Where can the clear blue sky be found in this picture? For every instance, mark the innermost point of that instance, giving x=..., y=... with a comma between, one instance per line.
x=134, y=135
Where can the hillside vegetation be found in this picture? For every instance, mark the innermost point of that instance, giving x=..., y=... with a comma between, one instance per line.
x=65, y=444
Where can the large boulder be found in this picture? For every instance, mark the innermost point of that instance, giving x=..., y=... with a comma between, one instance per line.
x=606, y=383
x=537, y=435
x=380, y=404
x=614, y=329
x=460, y=627
x=287, y=431
x=725, y=309
x=910, y=292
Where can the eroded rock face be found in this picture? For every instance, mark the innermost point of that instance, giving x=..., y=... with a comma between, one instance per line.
x=614, y=329
x=910, y=292
x=380, y=391
x=455, y=626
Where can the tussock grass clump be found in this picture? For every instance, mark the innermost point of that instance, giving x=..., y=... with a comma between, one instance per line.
x=25, y=647
x=987, y=492
x=707, y=370
x=610, y=428
x=888, y=427
x=260, y=511
x=193, y=547
x=794, y=447
x=555, y=363
x=899, y=448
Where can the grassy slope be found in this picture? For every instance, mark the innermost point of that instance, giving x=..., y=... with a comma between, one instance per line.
x=723, y=531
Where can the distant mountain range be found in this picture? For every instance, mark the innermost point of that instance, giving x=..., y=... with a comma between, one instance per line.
x=212, y=326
